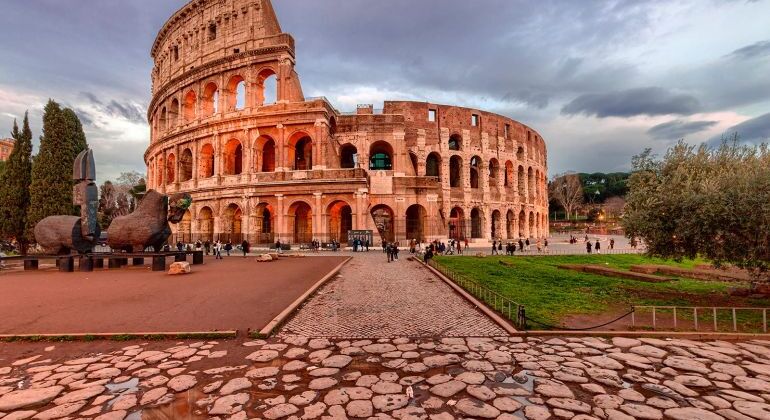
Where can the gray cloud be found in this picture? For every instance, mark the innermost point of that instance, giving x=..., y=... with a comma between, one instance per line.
x=129, y=111
x=677, y=129
x=632, y=102
x=755, y=130
x=758, y=49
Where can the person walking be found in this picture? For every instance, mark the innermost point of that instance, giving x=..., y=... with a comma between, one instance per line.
x=588, y=247
x=494, y=247
x=245, y=247
x=278, y=246
x=395, y=251
x=207, y=246
x=521, y=245
x=598, y=247
x=228, y=247
x=528, y=244
x=367, y=245
x=499, y=246
x=545, y=247
x=389, y=252
x=612, y=244
x=218, y=250
x=198, y=245
x=539, y=247
x=428, y=255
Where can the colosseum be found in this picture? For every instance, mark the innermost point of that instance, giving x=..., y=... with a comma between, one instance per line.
x=231, y=126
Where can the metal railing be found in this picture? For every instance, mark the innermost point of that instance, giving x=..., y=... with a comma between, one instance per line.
x=502, y=304
x=680, y=317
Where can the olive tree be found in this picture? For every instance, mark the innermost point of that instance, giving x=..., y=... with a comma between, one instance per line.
x=704, y=201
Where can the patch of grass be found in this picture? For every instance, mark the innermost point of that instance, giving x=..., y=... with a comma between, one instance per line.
x=550, y=294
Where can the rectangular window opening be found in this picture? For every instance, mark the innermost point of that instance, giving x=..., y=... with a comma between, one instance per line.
x=176, y=53
x=432, y=115
x=507, y=131
x=474, y=120
x=212, y=32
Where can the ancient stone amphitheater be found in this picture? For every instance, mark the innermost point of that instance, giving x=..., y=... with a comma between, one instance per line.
x=231, y=126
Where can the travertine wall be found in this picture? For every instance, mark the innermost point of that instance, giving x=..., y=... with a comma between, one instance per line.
x=231, y=126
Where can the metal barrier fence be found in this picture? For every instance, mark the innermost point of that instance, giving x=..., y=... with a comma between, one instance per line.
x=502, y=304
x=680, y=317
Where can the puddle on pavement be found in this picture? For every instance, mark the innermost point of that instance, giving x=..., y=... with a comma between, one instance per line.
x=183, y=407
x=129, y=386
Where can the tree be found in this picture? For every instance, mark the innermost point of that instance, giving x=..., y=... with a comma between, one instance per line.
x=107, y=204
x=133, y=185
x=15, y=182
x=700, y=201
x=51, y=187
x=567, y=190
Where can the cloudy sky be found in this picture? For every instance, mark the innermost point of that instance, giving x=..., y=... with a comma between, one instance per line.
x=601, y=80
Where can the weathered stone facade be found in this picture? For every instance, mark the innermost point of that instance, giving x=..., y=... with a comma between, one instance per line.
x=264, y=162
x=6, y=147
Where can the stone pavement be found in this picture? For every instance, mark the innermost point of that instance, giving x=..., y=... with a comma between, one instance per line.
x=372, y=298
x=301, y=378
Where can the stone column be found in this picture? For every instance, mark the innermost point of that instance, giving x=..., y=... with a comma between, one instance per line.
x=280, y=149
x=319, y=145
x=319, y=228
x=280, y=229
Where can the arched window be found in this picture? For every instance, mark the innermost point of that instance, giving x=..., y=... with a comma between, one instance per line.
x=455, y=171
x=433, y=165
x=268, y=156
x=413, y=159
x=381, y=157
x=416, y=216
x=233, y=157
x=348, y=156
x=303, y=154
x=494, y=167
x=476, y=223
x=185, y=165
x=190, y=102
x=236, y=93
x=474, y=171
x=206, y=161
x=520, y=153
x=210, y=101
x=173, y=114
x=522, y=184
x=170, y=169
x=509, y=173
x=267, y=87
x=206, y=224
x=455, y=142
x=163, y=119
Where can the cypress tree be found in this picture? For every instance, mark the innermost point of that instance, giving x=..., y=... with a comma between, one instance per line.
x=51, y=188
x=14, y=186
x=76, y=136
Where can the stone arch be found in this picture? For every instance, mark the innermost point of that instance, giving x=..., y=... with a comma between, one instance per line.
x=236, y=93
x=264, y=223
x=457, y=224
x=456, y=171
x=206, y=224
x=206, y=161
x=531, y=184
x=232, y=224
x=497, y=225
x=494, y=169
x=510, y=224
x=339, y=217
x=522, y=184
x=267, y=87
x=184, y=231
x=210, y=100
x=173, y=114
x=416, y=218
x=381, y=156
x=163, y=119
x=170, y=168
x=301, y=151
x=185, y=165
x=531, y=227
x=264, y=154
x=509, y=173
x=190, y=104
x=520, y=154
x=433, y=165
x=522, y=224
x=160, y=163
x=301, y=222
x=474, y=171
x=384, y=221
x=233, y=157
x=456, y=142
x=477, y=223
x=348, y=157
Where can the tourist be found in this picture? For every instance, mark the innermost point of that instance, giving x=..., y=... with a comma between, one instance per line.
x=528, y=244
x=207, y=247
x=278, y=246
x=612, y=244
x=245, y=247
x=389, y=251
x=167, y=248
x=384, y=246
x=228, y=247
x=179, y=246
x=367, y=245
x=499, y=247
x=588, y=247
x=494, y=247
x=466, y=243
x=545, y=247
x=539, y=247
x=395, y=251
x=428, y=255
x=521, y=245
x=598, y=246
x=459, y=248
x=198, y=245
x=218, y=250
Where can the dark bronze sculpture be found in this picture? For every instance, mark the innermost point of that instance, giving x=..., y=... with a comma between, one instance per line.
x=148, y=225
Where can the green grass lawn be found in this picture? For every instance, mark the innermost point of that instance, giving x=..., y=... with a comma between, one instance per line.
x=550, y=294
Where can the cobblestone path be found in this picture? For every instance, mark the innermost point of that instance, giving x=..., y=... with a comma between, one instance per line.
x=372, y=298
x=503, y=378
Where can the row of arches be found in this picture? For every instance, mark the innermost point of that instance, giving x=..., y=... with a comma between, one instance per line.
x=298, y=224
x=535, y=148
x=237, y=94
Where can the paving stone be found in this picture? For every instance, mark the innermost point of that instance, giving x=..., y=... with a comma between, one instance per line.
x=476, y=408
x=29, y=398
x=60, y=411
x=280, y=411
x=262, y=356
x=322, y=383
x=691, y=413
x=389, y=402
x=235, y=385
x=359, y=408
x=448, y=389
x=640, y=411
x=182, y=383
